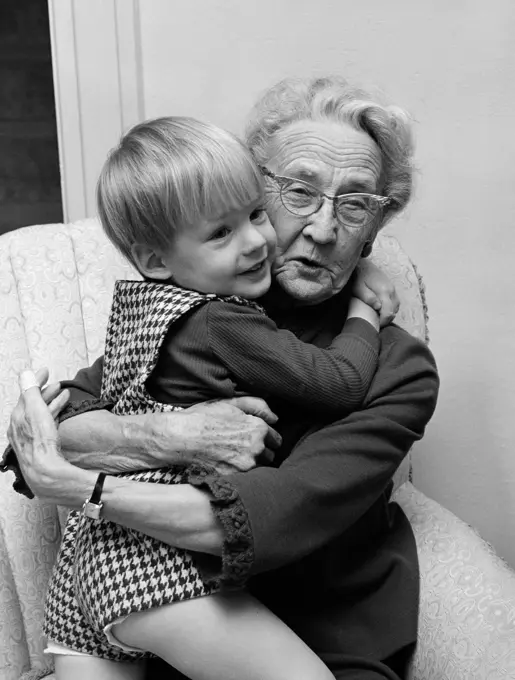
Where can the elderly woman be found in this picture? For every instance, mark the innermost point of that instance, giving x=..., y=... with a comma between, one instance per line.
x=315, y=536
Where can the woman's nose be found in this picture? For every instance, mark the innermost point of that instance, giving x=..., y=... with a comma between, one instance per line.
x=322, y=226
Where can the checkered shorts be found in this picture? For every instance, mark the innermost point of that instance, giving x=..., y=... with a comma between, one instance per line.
x=104, y=572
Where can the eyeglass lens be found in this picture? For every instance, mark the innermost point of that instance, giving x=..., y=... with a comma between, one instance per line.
x=353, y=210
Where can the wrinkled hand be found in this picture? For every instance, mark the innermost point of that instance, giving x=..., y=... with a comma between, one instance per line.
x=374, y=288
x=231, y=434
x=33, y=433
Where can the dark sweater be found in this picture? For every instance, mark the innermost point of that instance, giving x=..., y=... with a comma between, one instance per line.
x=317, y=538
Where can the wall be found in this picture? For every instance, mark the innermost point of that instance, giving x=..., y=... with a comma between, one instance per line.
x=453, y=66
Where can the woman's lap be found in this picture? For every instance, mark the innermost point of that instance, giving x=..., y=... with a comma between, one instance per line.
x=347, y=667
x=344, y=667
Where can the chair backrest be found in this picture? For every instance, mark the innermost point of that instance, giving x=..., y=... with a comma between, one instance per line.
x=56, y=283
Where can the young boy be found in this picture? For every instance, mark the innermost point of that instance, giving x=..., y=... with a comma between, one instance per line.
x=184, y=202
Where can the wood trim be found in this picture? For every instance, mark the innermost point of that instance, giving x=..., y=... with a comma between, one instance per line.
x=130, y=65
x=67, y=107
x=97, y=66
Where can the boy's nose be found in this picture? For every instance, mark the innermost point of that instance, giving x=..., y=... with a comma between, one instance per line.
x=254, y=240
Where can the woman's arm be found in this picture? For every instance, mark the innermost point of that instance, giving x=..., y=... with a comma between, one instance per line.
x=233, y=433
x=276, y=515
x=267, y=517
x=335, y=474
x=272, y=517
x=179, y=515
x=34, y=437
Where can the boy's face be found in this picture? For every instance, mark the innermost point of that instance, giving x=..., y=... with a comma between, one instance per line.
x=231, y=255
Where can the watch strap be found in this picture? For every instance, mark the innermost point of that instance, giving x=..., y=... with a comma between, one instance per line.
x=93, y=505
x=97, y=491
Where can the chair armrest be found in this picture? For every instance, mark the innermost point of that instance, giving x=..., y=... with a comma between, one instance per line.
x=14, y=655
x=467, y=598
x=28, y=546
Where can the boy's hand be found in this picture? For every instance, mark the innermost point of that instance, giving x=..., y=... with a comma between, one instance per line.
x=374, y=288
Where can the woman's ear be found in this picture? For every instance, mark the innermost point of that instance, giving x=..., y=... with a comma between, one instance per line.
x=150, y=262
x=369, y=243
x=367, y=249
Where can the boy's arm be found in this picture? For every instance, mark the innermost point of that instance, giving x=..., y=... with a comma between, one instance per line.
x=274, y=363
x=86, y=384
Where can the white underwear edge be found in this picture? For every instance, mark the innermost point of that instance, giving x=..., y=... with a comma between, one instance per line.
x=56, y=648
x=112, y=639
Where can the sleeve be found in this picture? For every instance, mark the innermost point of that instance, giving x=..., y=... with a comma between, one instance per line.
x=271, y=362
x=85, y=392
x=87, y=382
x=9, y=463
x=335, y=474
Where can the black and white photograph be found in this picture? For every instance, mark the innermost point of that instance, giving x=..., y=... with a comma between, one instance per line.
x=257, y=340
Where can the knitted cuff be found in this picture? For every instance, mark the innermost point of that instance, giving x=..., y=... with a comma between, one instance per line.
x=37, y=674
x=84, y=407
x=238, y=546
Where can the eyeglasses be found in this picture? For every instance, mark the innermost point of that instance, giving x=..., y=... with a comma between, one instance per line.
x=303, y=199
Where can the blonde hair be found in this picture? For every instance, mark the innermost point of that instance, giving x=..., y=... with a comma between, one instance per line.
x=333, y=99
x=167, y=174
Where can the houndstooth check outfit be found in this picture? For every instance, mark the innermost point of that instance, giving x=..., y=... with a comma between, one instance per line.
x=104, y=571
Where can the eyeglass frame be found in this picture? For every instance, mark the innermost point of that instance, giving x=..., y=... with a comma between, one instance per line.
x=383, y=201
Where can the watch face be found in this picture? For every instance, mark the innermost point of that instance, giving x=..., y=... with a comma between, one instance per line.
x=92, y=510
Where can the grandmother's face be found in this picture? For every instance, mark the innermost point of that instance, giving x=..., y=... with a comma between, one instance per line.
x=316, y=255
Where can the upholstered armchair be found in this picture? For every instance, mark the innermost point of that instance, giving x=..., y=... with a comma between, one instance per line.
x=55, y=287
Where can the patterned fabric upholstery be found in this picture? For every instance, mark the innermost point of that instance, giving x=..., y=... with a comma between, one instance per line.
x=467, y=613
x=56, y=283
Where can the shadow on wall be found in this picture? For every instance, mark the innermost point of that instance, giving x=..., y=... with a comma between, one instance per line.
x=30, y=191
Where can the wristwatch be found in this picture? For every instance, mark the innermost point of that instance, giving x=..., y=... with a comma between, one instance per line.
x=93, y=505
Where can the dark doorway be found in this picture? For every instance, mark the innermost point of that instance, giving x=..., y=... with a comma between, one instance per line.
x=30, y=191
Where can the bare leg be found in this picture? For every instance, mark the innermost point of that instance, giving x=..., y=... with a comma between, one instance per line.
x=71, y=667
x=223, y=637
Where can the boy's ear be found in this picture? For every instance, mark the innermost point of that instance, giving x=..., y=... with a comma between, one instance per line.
x=150, y=263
